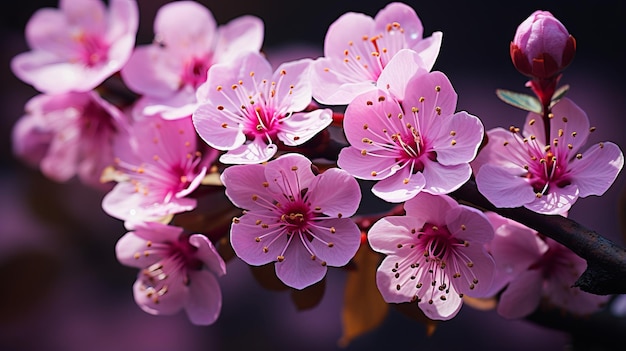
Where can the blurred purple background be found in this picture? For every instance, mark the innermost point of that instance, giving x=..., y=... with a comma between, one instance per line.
x=62, y=288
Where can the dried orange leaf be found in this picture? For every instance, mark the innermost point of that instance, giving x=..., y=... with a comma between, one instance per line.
x=364, y=308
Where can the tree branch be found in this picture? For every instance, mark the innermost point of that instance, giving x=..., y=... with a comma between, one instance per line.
x=606, y=261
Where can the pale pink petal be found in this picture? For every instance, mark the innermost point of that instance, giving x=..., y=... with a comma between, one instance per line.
x=125, y=203
x=504, y=187
x=169, y=303
x=293, y=88
x=429, y=48
x=215, y=131
x=570, y=121
x=88, y=14
x=289, y=174
x=242, y=182
x=194, y=34
x=347, y=28
x=243, y=237
x=301, y=127
x=150, y=70
x=404, y=15
x=404, y=65
x=459, y=139
x=335, y=193
x=435, y=97
x=345, y=240
x=329, y=86
x=241, y=34
x=388, y=284
x=440, y=179
x=522, y=296
x=401, y=186
x=366, y=166
x=204, y=302
x=367, y=116
x=387, y=232
x=429, y=208
x=441, y=309
x=298, y=270
x=256, y=151
x=468, y=223
x=596, y=171
x=556, y=201
x=130, y=250
x=208, y=254
x=477, y=280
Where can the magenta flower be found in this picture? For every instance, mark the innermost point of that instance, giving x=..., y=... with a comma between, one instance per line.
x=408, y=137
x=535, y=268
x=69, y=134
x=177, y=271
x=157, y=167
x=293, y=217
x=434, y=255
x=187, y=42
x=357, y=48
x=523, y=169
x=542, y=46
x=78, y=46
x=245, y=108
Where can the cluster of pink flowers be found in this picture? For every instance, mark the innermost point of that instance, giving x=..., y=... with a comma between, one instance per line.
x=209, y=102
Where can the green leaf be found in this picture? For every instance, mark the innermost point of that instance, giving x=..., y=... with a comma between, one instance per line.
x=523, y=101
x=558, y=94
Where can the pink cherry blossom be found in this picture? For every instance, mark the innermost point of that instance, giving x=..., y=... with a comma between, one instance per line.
x=408, y=137
x=246, y=108
x=434, y=255
x=357, y=48
x=187, y=42
x=293, y=217
x=78, y=46
x=69, y=134
x=536, y=268
x=157, y=167
x=177, y=271
x=523, y=169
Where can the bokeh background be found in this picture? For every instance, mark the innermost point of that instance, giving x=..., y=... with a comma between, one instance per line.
x=62, y=288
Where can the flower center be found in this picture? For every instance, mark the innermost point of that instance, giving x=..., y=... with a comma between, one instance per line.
x=296, y=216
x=195, y=71
x=94, y=50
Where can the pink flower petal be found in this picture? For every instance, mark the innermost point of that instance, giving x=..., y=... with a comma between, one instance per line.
x=400, y=187
x=298, y=270
x=336, y=193
x=384, y=235
x=204, y=302
x=242, y=182
x=504, y=187
x=243, y=237
x=345, y=240
x=301, y=127
x=440, y=179
x=598, y=168
x=522, y=296
x=363, y=166
x=256, y=151
x=459, y=139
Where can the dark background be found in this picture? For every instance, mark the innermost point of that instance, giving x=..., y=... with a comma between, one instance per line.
x=62, y=288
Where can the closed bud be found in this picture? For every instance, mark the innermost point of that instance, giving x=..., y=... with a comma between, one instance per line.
x=542, y=46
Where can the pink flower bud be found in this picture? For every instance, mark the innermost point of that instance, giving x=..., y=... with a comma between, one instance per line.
x=542, y=46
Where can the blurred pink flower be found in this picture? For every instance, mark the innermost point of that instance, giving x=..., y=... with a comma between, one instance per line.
x=78, y=46
x=408, y=137
x=535, y=268
x=176, y=271
x=434, y=255
x=187, y=42
x=523, y=169
x=245, y=108
x=293, y=217
x=157, y=167
x=69, y=134
x=357, y=48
